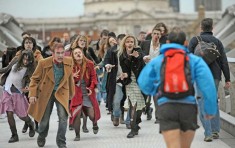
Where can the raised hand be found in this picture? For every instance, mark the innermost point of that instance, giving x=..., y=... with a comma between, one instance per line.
x=134, y=54
x=76, y=74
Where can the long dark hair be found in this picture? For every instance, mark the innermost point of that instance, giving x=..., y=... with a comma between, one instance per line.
x=20, y=64
x=33, y=41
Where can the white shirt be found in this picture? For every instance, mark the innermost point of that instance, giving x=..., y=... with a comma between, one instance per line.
x=154, y=52
x=15, y=78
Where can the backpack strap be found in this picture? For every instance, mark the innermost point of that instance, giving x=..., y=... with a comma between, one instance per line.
x=199, y=39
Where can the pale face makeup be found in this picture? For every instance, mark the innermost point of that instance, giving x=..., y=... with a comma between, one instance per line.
x=156, y=35
x=82, y=42
x=77, y=54
x=58, y=55
x=129, y=44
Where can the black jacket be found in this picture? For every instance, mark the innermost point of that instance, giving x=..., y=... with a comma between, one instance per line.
x=131, y=63
x=145, y=46
x=220, y=63
x=111, y=58
x=90, y=54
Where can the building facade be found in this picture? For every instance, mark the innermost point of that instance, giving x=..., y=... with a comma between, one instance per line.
x=119, y=16
x=210, y=5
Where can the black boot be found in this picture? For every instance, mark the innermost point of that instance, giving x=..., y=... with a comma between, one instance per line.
x=77, y=138
x=14, y=137
x=131, y=134
x=149, y=113
x=31, y=128
x=25, y=128
x=137, y=128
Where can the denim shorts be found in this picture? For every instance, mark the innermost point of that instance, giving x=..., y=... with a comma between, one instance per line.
x=177, y=116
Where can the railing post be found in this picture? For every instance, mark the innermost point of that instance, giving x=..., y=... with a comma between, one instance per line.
x=232, y=97
x=221, y=95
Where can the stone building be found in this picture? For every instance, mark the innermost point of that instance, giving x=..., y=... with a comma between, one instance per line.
x=119, y=16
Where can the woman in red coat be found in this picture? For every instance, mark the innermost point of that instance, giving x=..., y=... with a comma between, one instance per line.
x=85, y=97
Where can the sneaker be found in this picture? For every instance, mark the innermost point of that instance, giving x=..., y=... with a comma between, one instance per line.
x=208, y=139
x=215, y=135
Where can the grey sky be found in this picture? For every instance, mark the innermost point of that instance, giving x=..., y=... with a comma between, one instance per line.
x=68, y=8
x=42, y=8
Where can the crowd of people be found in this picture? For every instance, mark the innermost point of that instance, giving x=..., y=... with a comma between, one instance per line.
x=123, y=71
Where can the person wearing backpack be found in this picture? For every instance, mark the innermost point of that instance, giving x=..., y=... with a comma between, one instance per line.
x=212, y=127
x=170, y=78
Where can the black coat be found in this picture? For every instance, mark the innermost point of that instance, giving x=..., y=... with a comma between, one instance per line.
x=111, y=58
x=145, y=46
x=90, y=54
x=220, y=63
x=46, y=52
x=131, y=63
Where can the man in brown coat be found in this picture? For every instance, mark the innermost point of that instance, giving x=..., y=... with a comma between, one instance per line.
x=52, y=82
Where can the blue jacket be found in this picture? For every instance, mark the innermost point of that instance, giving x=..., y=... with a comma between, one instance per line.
x=149, y=79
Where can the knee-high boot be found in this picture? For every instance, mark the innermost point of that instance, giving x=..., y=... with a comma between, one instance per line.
x=138, y=121
x=14, y=137
x=12, y=124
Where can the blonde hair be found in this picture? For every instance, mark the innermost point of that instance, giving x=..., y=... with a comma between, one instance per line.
x=122, y=48
x=75, y=43
x=102, y=50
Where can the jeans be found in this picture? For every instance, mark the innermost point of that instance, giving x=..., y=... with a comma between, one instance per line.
x=63, y=118
x=128, y=118
x=101, y=88
x=213, y=125
x=117, y=101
